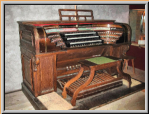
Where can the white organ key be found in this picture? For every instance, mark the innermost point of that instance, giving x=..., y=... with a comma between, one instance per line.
x=85, y=42
x=82, y=37
x=81, y=33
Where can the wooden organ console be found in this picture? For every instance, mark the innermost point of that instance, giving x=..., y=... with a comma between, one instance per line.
x=52, y=53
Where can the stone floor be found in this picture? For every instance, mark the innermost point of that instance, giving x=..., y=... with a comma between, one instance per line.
x=132, y=102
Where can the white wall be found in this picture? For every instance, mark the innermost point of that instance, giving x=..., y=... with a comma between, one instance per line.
x=14, y=13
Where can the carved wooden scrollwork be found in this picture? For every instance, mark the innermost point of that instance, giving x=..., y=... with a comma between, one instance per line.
x=36, y=62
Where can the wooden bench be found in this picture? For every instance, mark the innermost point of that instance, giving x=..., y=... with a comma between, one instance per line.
x=96, y=80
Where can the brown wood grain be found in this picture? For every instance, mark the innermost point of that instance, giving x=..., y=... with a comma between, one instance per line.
x=43, y=62
x=46, y=76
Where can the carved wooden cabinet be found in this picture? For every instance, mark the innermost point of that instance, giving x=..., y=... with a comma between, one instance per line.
x=47, y=55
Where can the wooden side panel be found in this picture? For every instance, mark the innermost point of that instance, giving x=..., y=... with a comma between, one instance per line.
x=116, y=51
x=124, y=49
x=27, y=35
x=27, y=71
x=27, y=38
x=46, y=77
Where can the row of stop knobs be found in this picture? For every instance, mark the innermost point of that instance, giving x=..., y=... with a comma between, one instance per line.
x=73, y=67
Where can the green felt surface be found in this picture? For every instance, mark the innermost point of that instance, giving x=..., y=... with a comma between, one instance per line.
x=100, y=60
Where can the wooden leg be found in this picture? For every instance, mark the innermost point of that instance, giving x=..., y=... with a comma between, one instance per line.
x=133, y=66
x=126, y=67
x=64, y=93
x=124, y=75
x=124, y=64
x=92, y=72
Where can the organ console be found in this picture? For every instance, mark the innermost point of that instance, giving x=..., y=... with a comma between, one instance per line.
x=52, y=51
